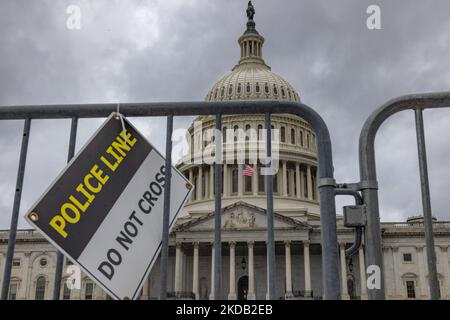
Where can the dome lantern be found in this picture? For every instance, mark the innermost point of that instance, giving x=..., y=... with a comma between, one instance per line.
x=251, y=77
x=251, y=41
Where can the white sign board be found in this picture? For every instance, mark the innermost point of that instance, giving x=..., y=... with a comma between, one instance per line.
x=105, y=210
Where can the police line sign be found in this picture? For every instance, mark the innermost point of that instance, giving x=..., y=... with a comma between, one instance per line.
x=105, y=210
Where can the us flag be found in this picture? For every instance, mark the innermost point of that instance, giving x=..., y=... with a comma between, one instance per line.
x=247, y=170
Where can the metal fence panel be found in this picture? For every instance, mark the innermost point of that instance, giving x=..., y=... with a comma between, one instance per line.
x=369, y=185
x=326, y=183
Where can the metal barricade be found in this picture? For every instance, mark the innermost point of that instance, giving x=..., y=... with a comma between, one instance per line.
x=326, y=182
x=369, y=186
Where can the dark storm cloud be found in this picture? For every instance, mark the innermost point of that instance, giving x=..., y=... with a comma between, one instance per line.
x=176, y=50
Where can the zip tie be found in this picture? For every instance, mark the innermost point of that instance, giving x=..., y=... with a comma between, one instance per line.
x=118, y=114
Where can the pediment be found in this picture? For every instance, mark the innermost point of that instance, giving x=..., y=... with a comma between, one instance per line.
x=241, y=216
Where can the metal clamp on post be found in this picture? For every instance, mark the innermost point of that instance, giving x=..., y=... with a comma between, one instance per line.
x=326, y=182
x=354, y=216
x=368, y=184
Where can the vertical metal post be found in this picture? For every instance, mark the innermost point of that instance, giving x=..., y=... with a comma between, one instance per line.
x=59, y=255
x=166, y=215
x=426, y=204
x=270, y=233
x=218, y=210
x=373, y=244
x=15, y=211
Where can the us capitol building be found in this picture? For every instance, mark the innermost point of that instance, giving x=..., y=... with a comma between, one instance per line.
x=296, y=217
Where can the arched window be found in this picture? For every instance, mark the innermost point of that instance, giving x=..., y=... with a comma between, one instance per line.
x=307, y=140
x=40, y=288
x=195, y=185
x=275, y=182
x=410, y=288
x=215, y=93
x=295, y=184
x=260, y=132
x=239, y=88
x=66, y=292
x=283, y=134
x=203, y=186
x=283, y=93
x=289, y=93
x=248, y=87
x=224, y=134
x=234, y=180
x=301, y=138
x=247, y=184
x=275, y=90
x=230, y=89
x=247, y=132
x=257, y=87
x=266, y=88
x=293, y=136
x=261, y=182
x=13, y=289
x=235, y=132
x=288, y=182
x=222, y=92
x=88, y=291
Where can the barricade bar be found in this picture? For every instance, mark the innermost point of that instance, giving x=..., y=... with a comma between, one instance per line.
x=330, y=251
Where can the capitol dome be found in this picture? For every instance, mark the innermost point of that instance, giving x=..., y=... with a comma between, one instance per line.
x=252, y=78
x=295, y=191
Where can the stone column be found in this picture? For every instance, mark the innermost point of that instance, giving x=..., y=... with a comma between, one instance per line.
x=145, y=290
x=199, y=183
x=29, y=281
x=2, y=259
x=232, y=293
x=362, y=273
x=307, y=266
x=211, y=294
x=23, y=292
x=191, y=179
x=251, y=272
x=195, y=272
x=211, y=182
x=240, y=181
x=287, y=248
x=398, y=292
x=284, y=179
x=225, y=180
x=344, y=288
x=207, y=185
x=309, y=182
x=422, y=272
x=98, y=293
x=255, y=179
x=446, y=269
x=291, y=183
x=297, y=180
x=178, y=270
x=302, y=184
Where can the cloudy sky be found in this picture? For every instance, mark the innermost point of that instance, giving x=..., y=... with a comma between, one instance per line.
x=174, y=50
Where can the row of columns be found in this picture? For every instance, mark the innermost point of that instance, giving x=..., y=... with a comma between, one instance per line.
x=251, y=293
x=297, y=184
x=256, y=48
x=27, y=280
x=362, y=272
x=399, y=289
